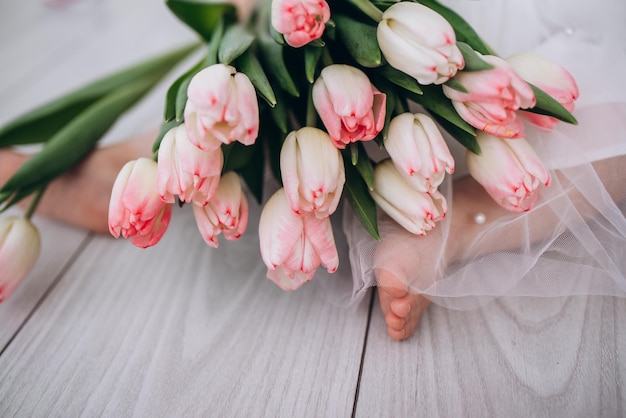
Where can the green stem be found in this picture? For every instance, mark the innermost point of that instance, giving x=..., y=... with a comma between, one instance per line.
x=33, y=203
x=311, y=113
x=369, y=9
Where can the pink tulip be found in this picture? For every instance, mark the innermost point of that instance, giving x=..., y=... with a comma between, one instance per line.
x=221, y=108
x=414, y=210
x=550, y=77
x=187, y=171
x=136, y=209
x=351, y=108
x=510, y=171
x=300, y=21
x=226, y=212
x=19, y=248
x=293, y=246
x=312, y=171
x=419, y=42
x=493, y=98
x=418, y=150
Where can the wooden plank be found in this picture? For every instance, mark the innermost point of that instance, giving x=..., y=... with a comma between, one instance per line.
x=560, y=357
x=182, y=329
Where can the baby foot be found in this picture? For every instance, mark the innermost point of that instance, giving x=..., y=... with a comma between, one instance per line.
x=402, y=310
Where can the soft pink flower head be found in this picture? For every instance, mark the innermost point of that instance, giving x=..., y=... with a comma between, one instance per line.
x=351, y=108
x=19, y=248
x=226, y=212
x=493, y=98
x=419, y=42
x=136, y=209
x=312, y=171
x=294, y=246
x=186, y=171
x=418, y=150
x=221, y=108
x=414, y=210
x=550, y=77
x=300, y=21
x=509, y=170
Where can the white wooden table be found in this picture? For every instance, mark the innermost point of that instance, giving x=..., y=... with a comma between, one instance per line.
x=100, y=328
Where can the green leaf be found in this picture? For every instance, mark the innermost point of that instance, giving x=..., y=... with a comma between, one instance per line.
x=203, y=16
x=361, y=201
x=311, y=58
x=165, y=128
x=401, y=79
x=436, y=102
x=464, y=138
x=463, y=30
x=453, y=83
x=42, y=123
x=72, y=143
x=360, y=40
x=547, y=105
x=272, y=56
x=236, y=41
x=176, y=96
x=473, y=61
x=360, y=160
x=249, y=162
x=280, y=116
x=249, y=65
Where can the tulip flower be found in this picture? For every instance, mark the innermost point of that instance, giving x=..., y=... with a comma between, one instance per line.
x=510, y=171
x=414, y=210
x=221, y=108
x=550, y=77
x=19, y=248
x=492, y=99
x=226, y=212
x=294, y=246
x=418, y=150
x=300, y=21
x=136, y=209
x=419, y=42
x=185, y=170
x=351, y=108
x=312, y=171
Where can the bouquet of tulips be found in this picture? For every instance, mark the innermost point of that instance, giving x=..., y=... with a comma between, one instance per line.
x=306, y=88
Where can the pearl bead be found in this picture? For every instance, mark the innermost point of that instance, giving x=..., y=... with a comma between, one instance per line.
x=480, y=218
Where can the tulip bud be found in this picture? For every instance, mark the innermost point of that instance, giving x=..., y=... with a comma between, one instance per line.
x=312, y=171
x=221, y=108
x=226, y=212
x=136, y=209
x=19, y=248
x=492, y=99
x=187, y=171
x=300, y=21
x=509, y=170
x=419, y=42
x=414, y=210
x=418, y=150
x=550, y=77
x=351, y=108
x=293, y=246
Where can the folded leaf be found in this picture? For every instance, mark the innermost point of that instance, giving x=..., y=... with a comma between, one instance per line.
x=203, y=16
x=360, y=41
x=235, y=42
x=361, y=201
x=250, y=66
x=547, y=105
x=473, y=61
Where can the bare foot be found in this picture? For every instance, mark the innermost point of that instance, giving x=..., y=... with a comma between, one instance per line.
x=81, y=196
x=402, y=310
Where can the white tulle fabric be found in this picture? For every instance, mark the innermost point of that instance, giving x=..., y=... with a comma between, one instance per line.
x=574, y=241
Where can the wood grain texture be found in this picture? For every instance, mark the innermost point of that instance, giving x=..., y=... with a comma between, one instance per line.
x=516, y=357
x=181, y=330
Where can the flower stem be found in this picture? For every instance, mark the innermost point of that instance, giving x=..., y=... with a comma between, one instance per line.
x=369, y=9
x=33, y=203
x=311, y=114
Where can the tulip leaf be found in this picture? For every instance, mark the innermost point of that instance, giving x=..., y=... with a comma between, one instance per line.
x=311, y=58
x=364, y=166
x=547, y=105
x=461, y=136
x=463, y=30
x=453, y=83
x=473, y=61
x=235, y=42
x=361, y=201
x=250, y=66
x=401, y=79
x=165, y=128
x=176, y=96
x=71, y=143
x=272, y=55
x=280, y=116
x=42, y=123
x=213, y=45
x=203, y=16
x=436, y=102
x=360, y=40
x=248, y=161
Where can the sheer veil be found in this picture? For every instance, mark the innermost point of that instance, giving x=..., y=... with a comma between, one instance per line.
x=573, y=242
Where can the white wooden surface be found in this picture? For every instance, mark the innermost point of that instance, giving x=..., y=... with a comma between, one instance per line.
x=103, y=329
